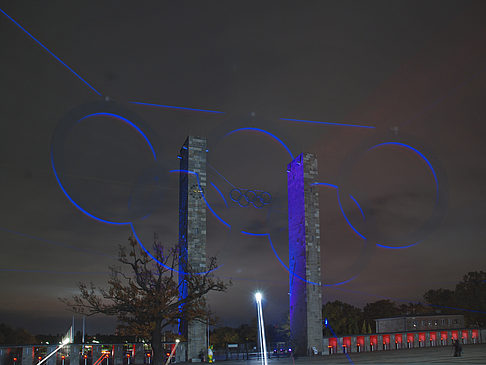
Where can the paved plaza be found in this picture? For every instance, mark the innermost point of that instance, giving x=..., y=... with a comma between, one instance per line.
x=472, y=354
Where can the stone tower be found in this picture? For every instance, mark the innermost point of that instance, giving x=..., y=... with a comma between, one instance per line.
x=304, y=255
x=192, y=232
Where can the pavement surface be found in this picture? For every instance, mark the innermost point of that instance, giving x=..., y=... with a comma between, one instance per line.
x=472, y=354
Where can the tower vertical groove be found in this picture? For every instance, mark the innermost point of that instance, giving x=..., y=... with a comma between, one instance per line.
x=304, y=255
x=192, y=233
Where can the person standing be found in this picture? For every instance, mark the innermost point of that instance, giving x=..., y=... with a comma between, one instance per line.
x=457, y=348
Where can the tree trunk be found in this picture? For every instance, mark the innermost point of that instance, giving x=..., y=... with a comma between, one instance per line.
x=157, y=344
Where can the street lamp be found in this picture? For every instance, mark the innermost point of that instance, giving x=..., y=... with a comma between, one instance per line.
x=261, y=328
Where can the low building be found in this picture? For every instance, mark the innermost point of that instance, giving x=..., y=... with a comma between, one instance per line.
x=419, y=323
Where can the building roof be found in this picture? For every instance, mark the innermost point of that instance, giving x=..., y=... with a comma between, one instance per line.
x=423, y=316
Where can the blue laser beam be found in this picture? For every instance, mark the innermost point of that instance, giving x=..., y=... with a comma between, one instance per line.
x=221, y=175
x=176, y=107
x=359, y=206
x=81, y=209
x=50, y=52
x=123, y=119
x=203, y=196
x=419, y=154
x=341, y=207
x=220, y=193
x=160, y=262
x=327, y=123
x=286, y=267
x=423, y=157
x=264, y=132
x=326, y=323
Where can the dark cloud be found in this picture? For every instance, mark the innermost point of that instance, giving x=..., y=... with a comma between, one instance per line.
x=412, y=65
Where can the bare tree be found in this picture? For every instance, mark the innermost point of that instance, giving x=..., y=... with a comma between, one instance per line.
x=144, y=294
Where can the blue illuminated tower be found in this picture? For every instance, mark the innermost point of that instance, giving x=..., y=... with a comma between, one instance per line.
x=192, y=232
x=304, y=255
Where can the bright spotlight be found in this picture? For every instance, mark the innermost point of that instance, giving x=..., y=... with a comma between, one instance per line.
x=177, y=340
x=258, y=297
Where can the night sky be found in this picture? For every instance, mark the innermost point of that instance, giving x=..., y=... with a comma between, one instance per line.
x=414, y=72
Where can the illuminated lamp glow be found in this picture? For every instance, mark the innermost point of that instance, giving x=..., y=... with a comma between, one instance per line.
x=59, y=180
x=258, y=296
x=176, y=107
x=50, y=52
x=220, y=193
x=265, y=132
x=327, y=123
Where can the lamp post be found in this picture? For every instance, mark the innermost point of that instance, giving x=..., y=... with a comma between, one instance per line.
x=261, y=327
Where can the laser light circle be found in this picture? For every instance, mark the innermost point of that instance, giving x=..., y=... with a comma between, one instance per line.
x=440, y=181
x=69, y=122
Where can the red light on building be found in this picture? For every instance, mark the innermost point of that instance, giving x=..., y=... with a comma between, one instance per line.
x=374, y=340
x=360, y=341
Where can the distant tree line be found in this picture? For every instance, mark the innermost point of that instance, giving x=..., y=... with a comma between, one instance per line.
x=247, y=334
x=15, y=336
x=19, y=336
x=468, y=298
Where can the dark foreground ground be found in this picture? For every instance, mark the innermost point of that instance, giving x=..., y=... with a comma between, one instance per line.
x=472, y=354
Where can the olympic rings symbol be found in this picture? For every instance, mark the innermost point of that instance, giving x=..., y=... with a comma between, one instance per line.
x=256, y=198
